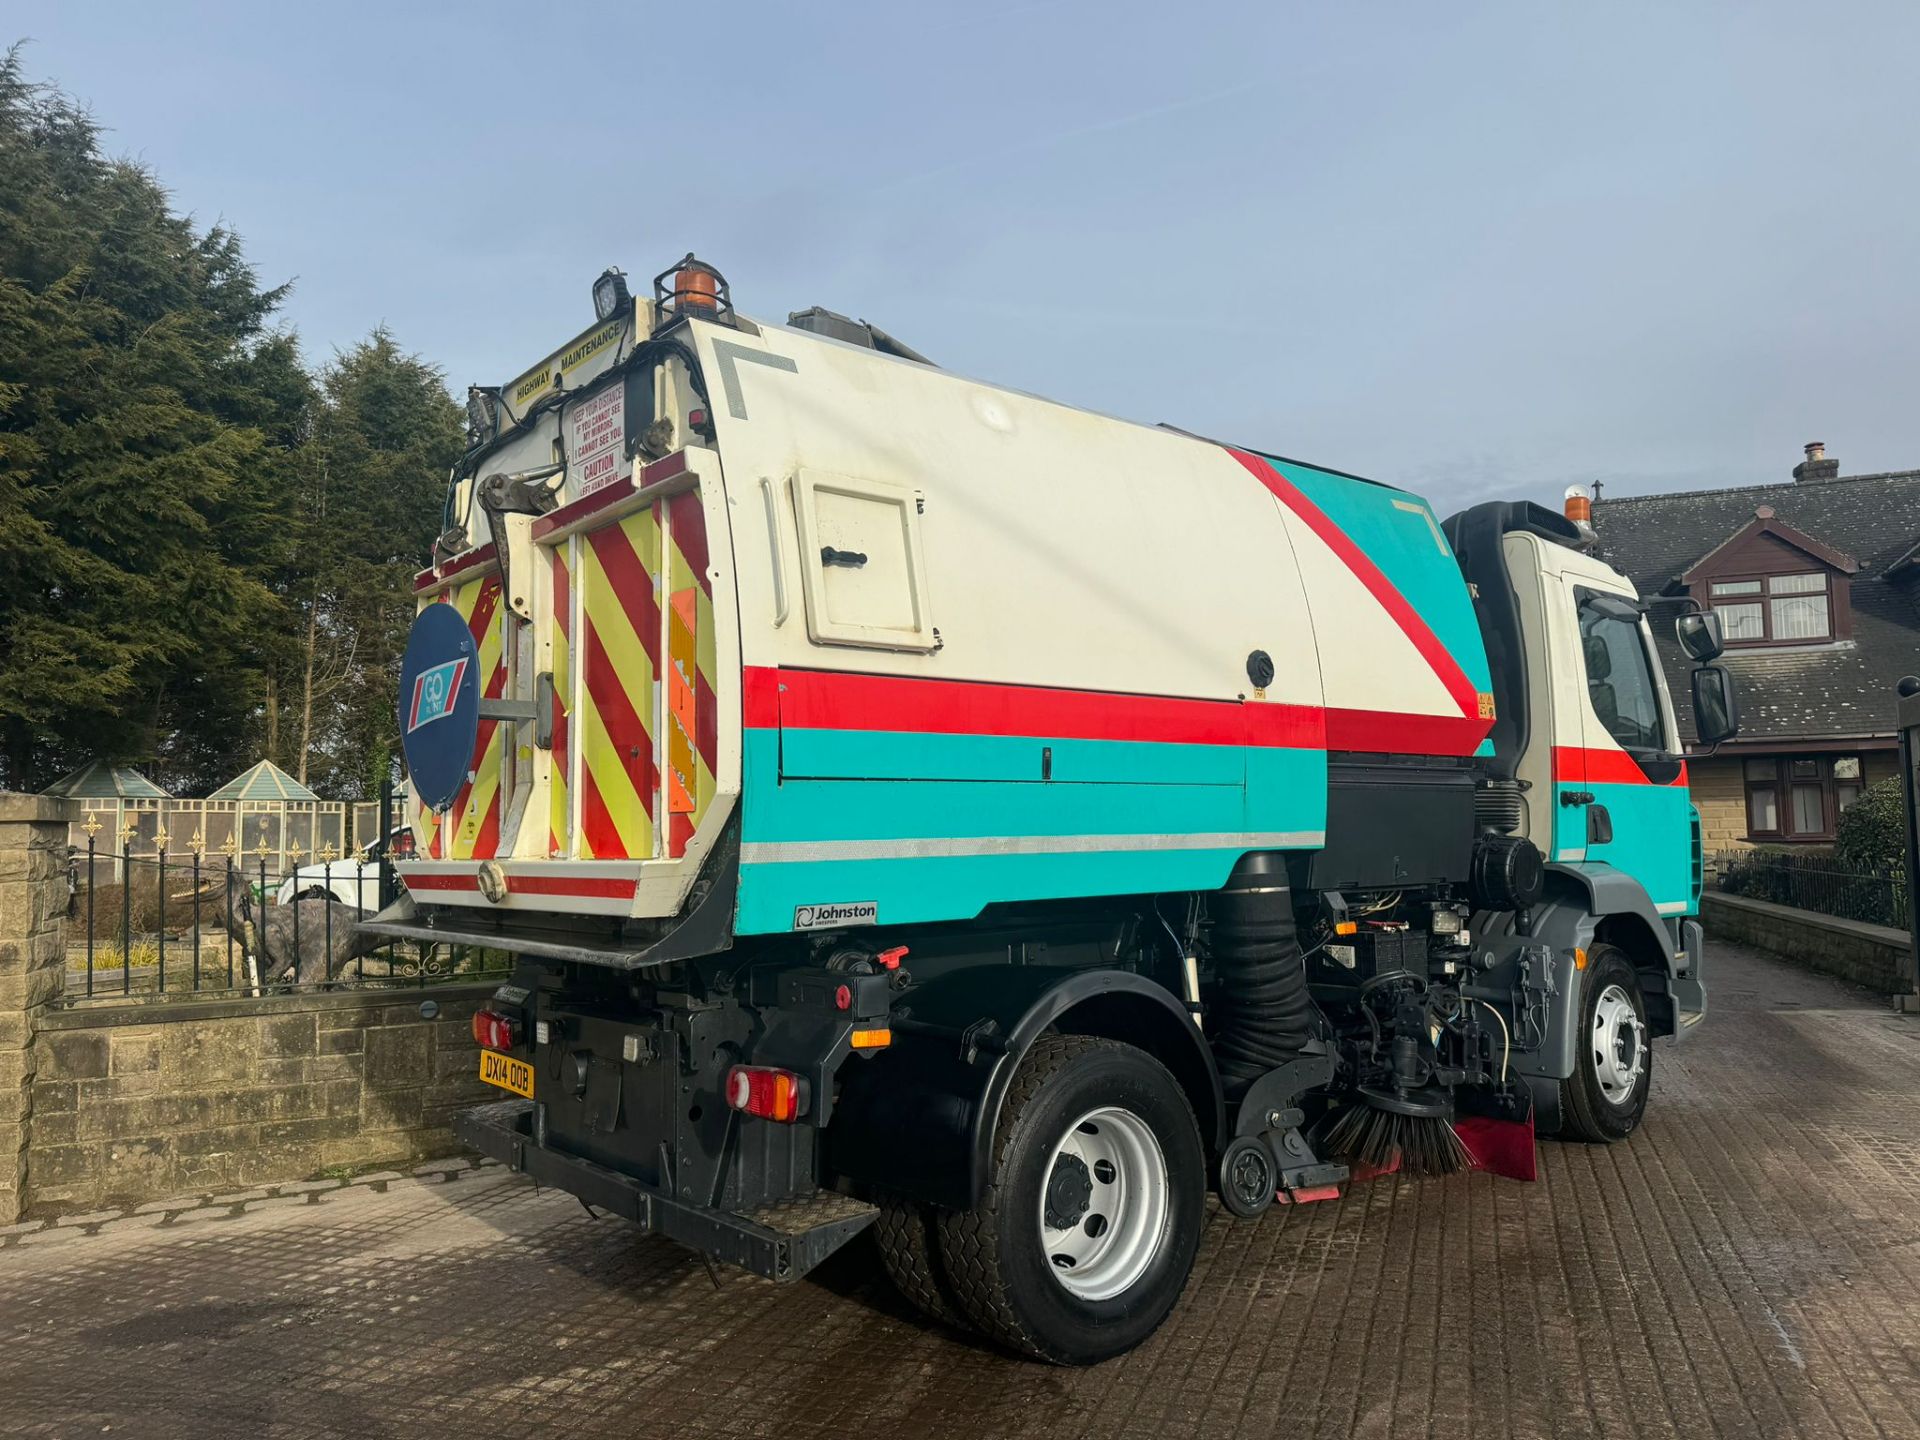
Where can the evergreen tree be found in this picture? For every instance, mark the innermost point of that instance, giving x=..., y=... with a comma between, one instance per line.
x=373, y=483
x=149, y=418
x=205, y=554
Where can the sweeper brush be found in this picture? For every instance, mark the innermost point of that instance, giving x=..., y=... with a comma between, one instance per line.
x=1385, y=1133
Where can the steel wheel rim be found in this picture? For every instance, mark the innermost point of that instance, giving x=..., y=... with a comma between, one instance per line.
x=1619, y=1044
x=1114, y=1155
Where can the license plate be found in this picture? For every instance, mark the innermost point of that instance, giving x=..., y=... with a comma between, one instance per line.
x=507, y=1073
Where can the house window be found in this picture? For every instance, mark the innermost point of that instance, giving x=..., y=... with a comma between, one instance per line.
x=1774, y=609
x=1798, y=797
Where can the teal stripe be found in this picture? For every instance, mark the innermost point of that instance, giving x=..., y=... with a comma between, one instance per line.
x=960, y=887
x=897, y=755
x=1285, y=791
x=1409, y=551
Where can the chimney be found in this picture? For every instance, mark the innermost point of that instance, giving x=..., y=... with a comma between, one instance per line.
x=1816, y=467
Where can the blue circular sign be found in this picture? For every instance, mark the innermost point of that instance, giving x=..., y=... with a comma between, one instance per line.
x=439, y=704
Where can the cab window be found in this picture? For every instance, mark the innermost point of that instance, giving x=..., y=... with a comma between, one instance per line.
x=1620, y=681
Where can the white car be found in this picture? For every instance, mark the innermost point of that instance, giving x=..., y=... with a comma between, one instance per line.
x=352, y=880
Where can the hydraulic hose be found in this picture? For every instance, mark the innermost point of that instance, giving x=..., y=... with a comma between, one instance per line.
x=1264, y=1014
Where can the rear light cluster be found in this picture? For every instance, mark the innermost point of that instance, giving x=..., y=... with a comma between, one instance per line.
x=494, y=1031
x=771, y=1094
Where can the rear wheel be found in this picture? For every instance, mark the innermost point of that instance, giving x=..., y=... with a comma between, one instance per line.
x=1605, y=1097
x=906, y=1233
x=1087, y=1231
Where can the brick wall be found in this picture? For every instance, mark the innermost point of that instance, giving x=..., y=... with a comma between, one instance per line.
x=143, y=1102
x=1718, y=786
x=1720, y=794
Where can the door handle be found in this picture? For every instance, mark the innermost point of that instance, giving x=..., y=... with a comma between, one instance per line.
x=1576, y=797
x=1599, y=826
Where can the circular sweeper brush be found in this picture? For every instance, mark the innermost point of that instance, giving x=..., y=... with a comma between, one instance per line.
x=1394, y=1130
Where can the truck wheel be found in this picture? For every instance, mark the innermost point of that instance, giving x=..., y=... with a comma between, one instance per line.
x=905, y=1232
x=1088, y=1228
x=1606, y=1095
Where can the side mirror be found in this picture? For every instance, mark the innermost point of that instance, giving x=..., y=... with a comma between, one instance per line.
x=1716, y=710
x=1699, y=635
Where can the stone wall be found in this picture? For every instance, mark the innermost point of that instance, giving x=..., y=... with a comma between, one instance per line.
x=33, y=902
x=1870, y=955
x=143, y=1102
x=121, y=1101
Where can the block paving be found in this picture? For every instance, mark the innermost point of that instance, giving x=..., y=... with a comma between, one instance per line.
x=1747, y=1265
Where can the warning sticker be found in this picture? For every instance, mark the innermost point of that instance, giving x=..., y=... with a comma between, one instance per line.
x=596, y=440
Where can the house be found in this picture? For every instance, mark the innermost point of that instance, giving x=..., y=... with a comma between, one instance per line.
x=1816, y=581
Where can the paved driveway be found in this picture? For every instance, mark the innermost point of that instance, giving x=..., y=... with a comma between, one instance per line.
x=1748, y=1265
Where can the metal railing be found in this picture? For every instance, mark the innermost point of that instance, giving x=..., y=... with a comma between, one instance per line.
x=156, y=924
x=1827, y=883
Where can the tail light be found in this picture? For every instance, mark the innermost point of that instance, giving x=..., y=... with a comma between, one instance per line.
x=771, y=1094
x=494, y=1031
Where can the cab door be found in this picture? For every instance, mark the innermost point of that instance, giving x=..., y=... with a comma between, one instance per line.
x=1621, y=791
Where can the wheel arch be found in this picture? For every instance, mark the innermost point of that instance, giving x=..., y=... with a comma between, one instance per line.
x=1625, y=918
x=920, y=1118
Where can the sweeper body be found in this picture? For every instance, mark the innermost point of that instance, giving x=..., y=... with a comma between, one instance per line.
x=920, y=805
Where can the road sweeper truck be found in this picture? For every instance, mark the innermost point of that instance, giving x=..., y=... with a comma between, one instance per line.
x=918, y=806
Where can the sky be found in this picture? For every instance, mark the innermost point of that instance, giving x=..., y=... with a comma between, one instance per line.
x=1478, y=250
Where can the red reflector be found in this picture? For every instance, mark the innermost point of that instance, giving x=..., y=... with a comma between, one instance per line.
x=843, y=998
x=494, y=1031
x=771, y=1094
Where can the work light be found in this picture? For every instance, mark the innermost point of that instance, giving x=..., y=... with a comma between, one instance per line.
x=609, y=293
x=483, y=402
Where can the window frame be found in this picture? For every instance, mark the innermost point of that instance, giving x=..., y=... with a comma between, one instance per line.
x=1781, y=781
x=1650, y=661
x=1765, y=598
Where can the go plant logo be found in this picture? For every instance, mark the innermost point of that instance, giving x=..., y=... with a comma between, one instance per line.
x=434, y=693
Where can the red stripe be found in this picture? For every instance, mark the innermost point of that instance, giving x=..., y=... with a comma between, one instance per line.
x=548, y=885
x=1369, y=575
x=679, y=832
x=603, y=836
x=1573, y=765
x=760, y=697
x=594, y=886
x=632, y=586
x=689, y=524
x=487, y=843
x=836, y=700
x=624, y=729
x=706, y=722
x=578, y=510
x=1384, y=733
x=458, y=565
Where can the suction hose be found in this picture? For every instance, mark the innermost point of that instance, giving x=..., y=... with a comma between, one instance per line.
x=1264, y=1015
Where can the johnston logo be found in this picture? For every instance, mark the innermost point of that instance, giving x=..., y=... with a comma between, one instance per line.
x=831, y=917
x=434, y=692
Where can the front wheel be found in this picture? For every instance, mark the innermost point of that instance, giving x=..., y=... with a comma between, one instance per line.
x=1088, y=1228
x=1605, y=1097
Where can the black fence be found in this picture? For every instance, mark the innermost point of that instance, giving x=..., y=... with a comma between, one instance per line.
x=155, y=926
x=1823, y=882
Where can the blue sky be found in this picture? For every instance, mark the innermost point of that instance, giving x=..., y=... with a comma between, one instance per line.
x=1476, y=249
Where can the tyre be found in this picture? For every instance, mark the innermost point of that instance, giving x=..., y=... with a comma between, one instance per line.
x=1604, y=1098
x=910, y=1252
x=1086, y=1234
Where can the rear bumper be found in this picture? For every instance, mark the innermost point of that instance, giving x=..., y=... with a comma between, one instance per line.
x=779, y=1242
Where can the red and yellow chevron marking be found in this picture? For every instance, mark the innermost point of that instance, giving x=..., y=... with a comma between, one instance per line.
x=559, y=810
x=619, y=655
x=693, y=728
x=473, y=821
